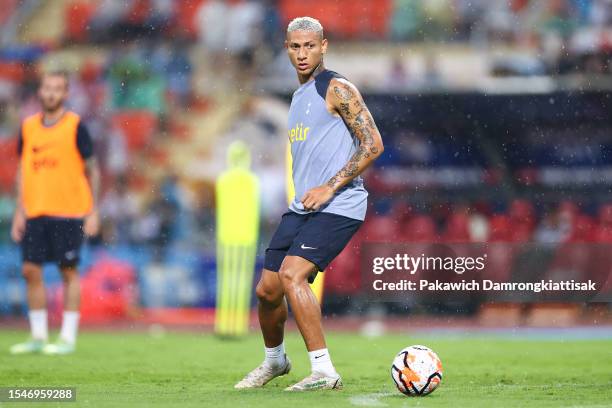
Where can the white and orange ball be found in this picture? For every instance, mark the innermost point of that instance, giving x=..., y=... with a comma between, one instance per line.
x=416, y=371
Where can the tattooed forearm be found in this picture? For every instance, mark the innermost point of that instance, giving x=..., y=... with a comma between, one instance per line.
x=350, y=170
x=359, y=121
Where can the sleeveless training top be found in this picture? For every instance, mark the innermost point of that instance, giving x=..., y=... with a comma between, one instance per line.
x=321, y=145
x=53, y=179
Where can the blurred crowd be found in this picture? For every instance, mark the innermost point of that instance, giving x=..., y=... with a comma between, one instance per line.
x=565, y=35
x=560, y=36
x=133, y=95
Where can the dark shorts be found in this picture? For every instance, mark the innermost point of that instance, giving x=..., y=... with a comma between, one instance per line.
x=317, y=237
x=49, y=239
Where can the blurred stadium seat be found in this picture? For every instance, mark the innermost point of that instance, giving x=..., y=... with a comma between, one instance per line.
x=77, y=17
x=8, y=164
x=522, y=145
x=138, y=127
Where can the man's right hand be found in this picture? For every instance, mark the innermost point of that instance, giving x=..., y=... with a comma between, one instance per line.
x=18, y=227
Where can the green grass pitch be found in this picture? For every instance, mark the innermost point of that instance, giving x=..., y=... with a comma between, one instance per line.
x=130, y=369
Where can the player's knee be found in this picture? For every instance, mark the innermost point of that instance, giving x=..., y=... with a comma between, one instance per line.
x=290, y=277
x=267, y=294
x=32, y=273
x=70, y=274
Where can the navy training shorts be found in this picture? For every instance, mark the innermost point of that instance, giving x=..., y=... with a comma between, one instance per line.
x=50, y=239
x=317, y=237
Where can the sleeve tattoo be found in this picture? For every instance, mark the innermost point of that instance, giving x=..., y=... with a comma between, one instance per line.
x=361, y=125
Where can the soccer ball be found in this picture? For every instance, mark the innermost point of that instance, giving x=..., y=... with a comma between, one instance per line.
x=416, y=370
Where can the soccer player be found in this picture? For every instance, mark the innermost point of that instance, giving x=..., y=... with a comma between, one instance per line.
x=57, y=182
x=333, y=139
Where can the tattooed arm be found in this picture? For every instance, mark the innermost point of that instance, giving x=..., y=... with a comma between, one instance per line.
x=344, y=99
x=347, y=101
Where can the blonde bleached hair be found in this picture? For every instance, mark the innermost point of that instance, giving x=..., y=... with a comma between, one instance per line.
x=305, y=24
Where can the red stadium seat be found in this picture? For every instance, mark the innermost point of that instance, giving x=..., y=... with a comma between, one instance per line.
x=522, y=212
x=380, y=15
x=344, y=19
x=7, y=9
x=499, y=227
x=457, y=228
x=139, y=12
x=583, y=229
x=521, y=233
x=344, y=277
x=420, y=228
x=604, y=229
x=329, y=13
x=522, y=220
x=401, y=212
x=137, y=126
x=186, y=11
x=364, y=18
x=605, y=214
x=499, y=262
x=12, y=71
x=604, y=234
x=77, y=16
x=8, y=164
x=379, y=228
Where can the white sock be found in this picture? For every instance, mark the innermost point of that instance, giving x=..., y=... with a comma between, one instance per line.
x=275, y=356
x=321, y=363
x=70, y=326
x=38, y=324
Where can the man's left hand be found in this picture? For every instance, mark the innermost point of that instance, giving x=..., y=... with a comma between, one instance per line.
x=316, y=197
x=91, y=224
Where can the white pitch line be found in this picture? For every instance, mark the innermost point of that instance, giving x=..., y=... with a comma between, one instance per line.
x=370, y=400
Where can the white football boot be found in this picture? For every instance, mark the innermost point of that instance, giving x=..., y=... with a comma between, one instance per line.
x=263, y=374
x=317, y=382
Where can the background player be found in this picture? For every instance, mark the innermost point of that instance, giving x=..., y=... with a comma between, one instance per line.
x=57, y=186
x=333, y=139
